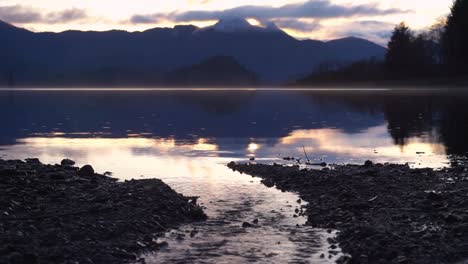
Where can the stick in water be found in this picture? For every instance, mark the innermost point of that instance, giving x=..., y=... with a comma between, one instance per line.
x=305, y=153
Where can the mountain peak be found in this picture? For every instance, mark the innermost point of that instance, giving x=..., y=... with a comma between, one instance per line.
x=6, y=27
x=239, y=24
x=232, y=24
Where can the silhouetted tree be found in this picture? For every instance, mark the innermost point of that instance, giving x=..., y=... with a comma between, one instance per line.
x=456, y=37
x=436, y=36
x=410, y=56
x=399, y=51
x=422, y=54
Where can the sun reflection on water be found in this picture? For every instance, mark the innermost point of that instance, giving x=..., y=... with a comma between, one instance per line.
x=176, y=157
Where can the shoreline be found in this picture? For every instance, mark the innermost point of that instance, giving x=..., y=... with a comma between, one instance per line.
x=384, y=213
x=61, y=213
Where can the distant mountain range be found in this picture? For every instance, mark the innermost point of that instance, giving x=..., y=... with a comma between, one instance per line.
x=231, y=52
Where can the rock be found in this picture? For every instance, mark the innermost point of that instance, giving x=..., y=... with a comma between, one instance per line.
x=402, y=259
x=8, y=170
x=252, y=159
x=255, y=221
x=452, y=218
x=69, y=218
x=57, y=176
x=33, y=161
x=268, y=183
x=379, y=210
x=86, y=170
x=193, y=233
x=246, y=225
x=433, y=196
x=67, y=163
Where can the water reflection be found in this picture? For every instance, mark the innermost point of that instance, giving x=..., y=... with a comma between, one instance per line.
x=186, y=138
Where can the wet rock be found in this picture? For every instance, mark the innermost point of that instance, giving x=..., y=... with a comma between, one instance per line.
x=68, y=163
x=255, y=221
x=452, y=218
x=268, y=183
x=52, y=214
x=433, y=196
x=86, y=170
x=247, y=225
x=385, y=213
x=33, y=161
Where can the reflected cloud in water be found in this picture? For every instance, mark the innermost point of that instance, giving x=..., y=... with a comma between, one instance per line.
x=182, y=157
x=164, y=127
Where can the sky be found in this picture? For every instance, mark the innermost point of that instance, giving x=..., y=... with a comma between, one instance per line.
x=303, y=19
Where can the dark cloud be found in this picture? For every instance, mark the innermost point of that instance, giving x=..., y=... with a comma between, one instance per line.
x=298, y=25
x=144, y=19
x=18, y=14
x=68, y=15
x=310, y=9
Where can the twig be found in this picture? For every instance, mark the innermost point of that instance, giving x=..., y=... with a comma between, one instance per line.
x=305, y=153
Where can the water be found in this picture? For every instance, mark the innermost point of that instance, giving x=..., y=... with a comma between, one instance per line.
x=186, y=138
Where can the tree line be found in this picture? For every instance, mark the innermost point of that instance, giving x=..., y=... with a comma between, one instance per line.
x=440, y=51
x=434, y=56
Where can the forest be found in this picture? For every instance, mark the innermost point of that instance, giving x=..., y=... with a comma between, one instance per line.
x=437, y=55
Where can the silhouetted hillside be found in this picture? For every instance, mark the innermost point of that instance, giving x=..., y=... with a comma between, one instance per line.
x=219, y=70
x=362, y=72
x=45, y=58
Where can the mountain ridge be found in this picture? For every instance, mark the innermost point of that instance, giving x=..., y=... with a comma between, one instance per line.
x=273, y=55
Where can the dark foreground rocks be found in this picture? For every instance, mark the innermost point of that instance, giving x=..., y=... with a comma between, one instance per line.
x=64, y=214
x=385, y=213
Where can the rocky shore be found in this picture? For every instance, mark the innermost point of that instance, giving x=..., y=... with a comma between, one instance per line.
x=65, y=214
x=385, y=213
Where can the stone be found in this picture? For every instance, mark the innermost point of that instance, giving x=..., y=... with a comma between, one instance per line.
x=67, y=163
x=246, y=225
x=33, y=161
x=86, y=170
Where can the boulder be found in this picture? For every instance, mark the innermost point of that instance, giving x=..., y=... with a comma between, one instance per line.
x=67, y=163
x=86, y=170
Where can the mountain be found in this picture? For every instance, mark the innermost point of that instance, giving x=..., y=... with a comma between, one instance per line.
x=232, y=25
x=219, y=70
x=7, y=29
x=43, y=58
x=240, y=25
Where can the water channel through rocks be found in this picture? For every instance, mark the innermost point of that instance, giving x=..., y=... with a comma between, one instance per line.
x=248, y=222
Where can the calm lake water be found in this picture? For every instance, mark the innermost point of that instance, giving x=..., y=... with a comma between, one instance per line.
x=186, y=137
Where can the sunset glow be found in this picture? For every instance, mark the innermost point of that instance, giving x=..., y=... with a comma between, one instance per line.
x=337, y=19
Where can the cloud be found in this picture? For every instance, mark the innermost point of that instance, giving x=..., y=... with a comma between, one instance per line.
x=144, y=19
x=67, y=15
x=298, y=25
x=318, y=9
x=18, y=14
